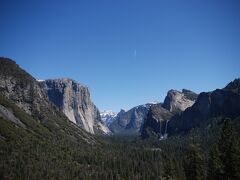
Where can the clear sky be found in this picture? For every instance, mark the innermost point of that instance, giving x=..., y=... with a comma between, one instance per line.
x=128, y=52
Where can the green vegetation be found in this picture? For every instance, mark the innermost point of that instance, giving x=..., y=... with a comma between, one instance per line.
x=45, y=151
x=224, y=157
x=194, y=163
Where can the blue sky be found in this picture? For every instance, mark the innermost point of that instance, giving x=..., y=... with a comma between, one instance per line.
x=128, y=52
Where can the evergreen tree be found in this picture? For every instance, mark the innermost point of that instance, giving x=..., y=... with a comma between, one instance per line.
x=215, y=169
x=229, y=151
x=168, y=167
x=194, y=163
x=224, y=158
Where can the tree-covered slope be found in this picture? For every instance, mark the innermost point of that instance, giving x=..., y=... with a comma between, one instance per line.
x=36, y=151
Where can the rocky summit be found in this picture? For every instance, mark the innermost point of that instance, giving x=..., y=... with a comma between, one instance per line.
x=177, y=101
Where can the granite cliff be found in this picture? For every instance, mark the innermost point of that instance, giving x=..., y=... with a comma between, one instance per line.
x=73, y=99
x=177, y=101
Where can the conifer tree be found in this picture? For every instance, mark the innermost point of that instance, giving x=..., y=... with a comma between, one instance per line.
x=169, y=171
x=224, y=158
x=229, y=151
x=215, y=169
x=194, y=163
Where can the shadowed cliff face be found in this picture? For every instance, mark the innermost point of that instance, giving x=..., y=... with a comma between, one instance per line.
x=156, y=123
x=74, y=101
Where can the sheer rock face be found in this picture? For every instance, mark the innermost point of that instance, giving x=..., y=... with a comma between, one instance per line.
x=74, y=101
x=177, y=101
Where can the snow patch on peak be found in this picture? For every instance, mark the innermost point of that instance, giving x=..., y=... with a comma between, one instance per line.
x=147, y=105
x=107, y=113
x=108, y=117
x=153, y=102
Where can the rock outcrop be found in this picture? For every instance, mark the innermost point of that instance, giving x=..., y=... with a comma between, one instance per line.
x=9, y=115
x=73, y=99
x=177, y=101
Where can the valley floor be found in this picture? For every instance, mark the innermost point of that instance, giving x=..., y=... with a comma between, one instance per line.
x=113, y=158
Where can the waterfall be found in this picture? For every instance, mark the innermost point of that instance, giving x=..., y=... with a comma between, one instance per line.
x=165, y=134
x=160, y=131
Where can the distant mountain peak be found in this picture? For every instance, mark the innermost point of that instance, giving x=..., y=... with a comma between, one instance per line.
x=108, y=112
x=108, y=116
